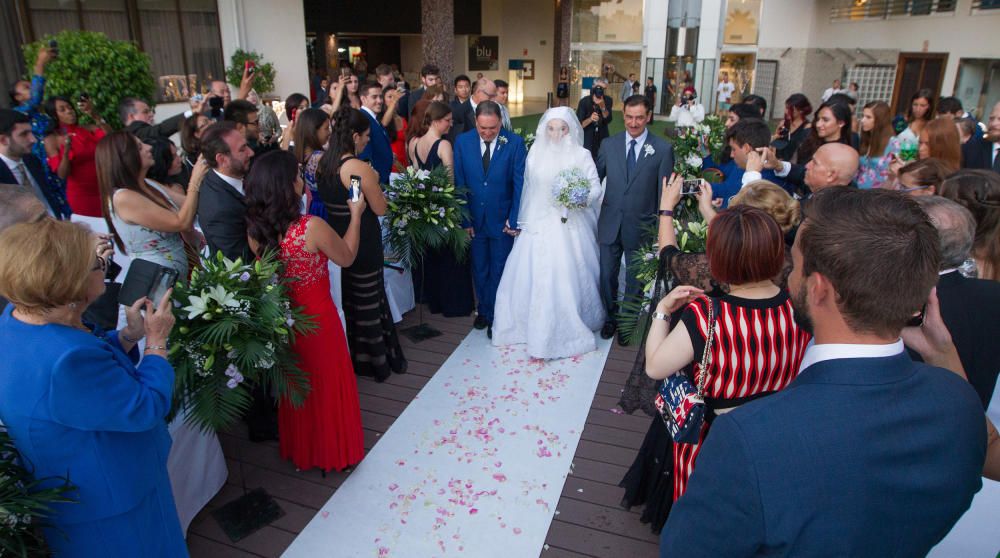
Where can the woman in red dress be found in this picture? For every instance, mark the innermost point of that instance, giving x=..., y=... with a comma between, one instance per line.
x=325, y=431
x=71, y=153
x=756, y=344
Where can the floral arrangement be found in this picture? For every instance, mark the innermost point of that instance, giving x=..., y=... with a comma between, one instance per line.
x=235, y=325
x=425, y=211
x=25, y=503
x=529, y=138
x=694, y=143
x=571, y=190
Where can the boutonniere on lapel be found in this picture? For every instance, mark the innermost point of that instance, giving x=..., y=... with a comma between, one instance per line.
x=501, y=141
x=648, y=150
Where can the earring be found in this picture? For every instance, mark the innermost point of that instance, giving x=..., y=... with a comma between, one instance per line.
x=72, y=306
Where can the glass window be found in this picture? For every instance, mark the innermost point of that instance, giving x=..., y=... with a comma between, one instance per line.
x=181, y=37
x=607, y=21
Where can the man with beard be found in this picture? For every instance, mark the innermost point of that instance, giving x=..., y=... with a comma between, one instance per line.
x=221, y=205
x=865, y=452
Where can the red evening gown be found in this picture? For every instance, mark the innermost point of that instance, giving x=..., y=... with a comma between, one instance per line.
x=325, y=431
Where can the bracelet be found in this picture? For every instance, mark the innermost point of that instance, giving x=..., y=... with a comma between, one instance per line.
x=661, y=316
x=665, y=213
x=155, y=348
x=129, y=339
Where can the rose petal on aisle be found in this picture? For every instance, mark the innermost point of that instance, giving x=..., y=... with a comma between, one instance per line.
x=473, y=467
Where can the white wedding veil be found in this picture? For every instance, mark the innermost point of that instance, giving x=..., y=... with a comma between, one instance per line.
x=552, y=151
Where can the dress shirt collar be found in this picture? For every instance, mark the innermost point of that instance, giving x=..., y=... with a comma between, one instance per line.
x=639, y=142
x=236, y=183
x=830, y=351
x=11, y=163
x=369, y=111
x=493, y=145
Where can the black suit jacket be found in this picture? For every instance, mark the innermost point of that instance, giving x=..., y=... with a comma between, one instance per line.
x=596, y=132
x=408, y=101
x=222, y=216
x=974, y=329
x=163, y=130
x=977, y=153
x=34, y=167
x=463, y=119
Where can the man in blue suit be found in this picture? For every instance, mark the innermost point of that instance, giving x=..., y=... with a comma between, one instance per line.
x=379, y=149
x=865, y=453
x=743, y=138
x=19, y=166
x=489, y=161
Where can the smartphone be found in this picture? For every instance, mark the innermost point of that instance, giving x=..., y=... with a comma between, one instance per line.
x=918, y=319
x=54, y=47
x=293, y=113
x=166, y=281
x=198, y=98
x=146, y=279
x=249, y=67
x=345, y=71
x=355, y=187
x=691, y=186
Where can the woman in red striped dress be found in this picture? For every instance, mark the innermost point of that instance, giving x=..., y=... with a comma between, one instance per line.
x=757, y=346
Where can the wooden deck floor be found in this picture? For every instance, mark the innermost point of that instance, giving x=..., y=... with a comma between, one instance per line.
x=588, y=521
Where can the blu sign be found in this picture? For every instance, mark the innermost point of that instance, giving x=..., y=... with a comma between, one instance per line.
x=484, y=53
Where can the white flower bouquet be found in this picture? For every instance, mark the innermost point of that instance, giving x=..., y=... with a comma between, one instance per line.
x=235, y=325
x=571, y=190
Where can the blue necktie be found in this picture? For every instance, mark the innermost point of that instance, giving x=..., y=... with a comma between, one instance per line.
x=630, y=161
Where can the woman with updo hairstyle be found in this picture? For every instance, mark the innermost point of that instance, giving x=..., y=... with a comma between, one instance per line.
x=443, y=282
x=79, y=404
x=979, y=191
x=325, y=431
x=923, y=177
x=371, y=332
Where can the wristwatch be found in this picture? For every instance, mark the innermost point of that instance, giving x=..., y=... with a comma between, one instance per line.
x=661, y=316
x=665, y=213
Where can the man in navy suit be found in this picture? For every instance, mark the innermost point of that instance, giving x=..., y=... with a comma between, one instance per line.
x=985, y=153
x=489, y=161
x=19, y=166
x=378, y=152
x=865, y=453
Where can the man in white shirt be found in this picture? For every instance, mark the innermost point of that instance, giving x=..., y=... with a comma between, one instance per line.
x=725, y=92
x=831, y=91
x=865, y=452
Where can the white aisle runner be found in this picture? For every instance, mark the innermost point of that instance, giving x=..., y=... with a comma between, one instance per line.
x=473, y=467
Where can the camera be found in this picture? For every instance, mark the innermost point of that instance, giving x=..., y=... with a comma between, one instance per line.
x=688, y=98
x=598, y=91
x=54, y=47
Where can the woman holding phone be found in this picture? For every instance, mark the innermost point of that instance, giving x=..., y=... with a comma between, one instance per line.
x=146, y=218
x=371, y=332
x=70, y=152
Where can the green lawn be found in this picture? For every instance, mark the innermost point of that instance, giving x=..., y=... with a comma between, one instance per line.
x=529, y=123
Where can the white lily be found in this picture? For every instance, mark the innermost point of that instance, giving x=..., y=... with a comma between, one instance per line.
x=223, y=297
x=198, y=306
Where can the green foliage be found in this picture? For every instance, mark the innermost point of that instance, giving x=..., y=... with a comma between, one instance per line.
x=234, y=330
x=90, y=62
x=263, y=83
x=25, y=503
x=425, y=212
x=696, y=142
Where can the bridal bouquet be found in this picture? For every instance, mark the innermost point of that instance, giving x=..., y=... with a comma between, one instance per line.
x=571, y=190
x=235, y=325
x=425, y=211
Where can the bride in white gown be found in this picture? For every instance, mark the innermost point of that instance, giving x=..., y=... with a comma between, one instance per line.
x=548, y=296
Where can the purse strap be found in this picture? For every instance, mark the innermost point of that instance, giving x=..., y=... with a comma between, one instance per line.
x=706, y=355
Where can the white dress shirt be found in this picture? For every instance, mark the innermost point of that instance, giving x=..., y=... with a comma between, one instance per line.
x=639, y=142
x=830, y=351
x=234, y=182
x=22, y=174
x=750, y=176
x=493, y=146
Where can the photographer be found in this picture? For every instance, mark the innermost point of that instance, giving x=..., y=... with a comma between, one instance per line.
x=86, y=407
x=687, y=111
x=594, y=112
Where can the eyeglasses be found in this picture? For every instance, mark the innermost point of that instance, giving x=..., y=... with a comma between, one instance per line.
x=901, y=188
x=102, y=264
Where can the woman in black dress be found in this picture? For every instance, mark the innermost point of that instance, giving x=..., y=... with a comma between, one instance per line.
x=446, y=282
x=371, y=333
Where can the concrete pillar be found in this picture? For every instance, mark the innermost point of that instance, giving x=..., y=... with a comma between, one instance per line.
x=437, y=18
x=561, y=37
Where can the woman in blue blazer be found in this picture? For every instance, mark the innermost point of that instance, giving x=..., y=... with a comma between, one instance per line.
x=75, y=402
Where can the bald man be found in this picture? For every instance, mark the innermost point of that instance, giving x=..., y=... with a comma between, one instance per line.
x=464, y=117
x=833, y=164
